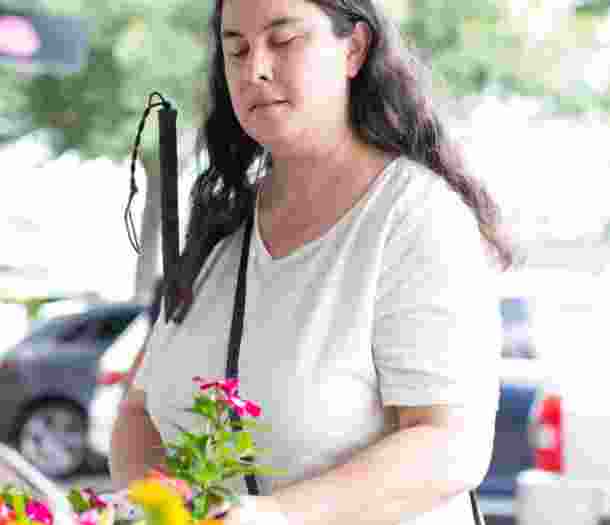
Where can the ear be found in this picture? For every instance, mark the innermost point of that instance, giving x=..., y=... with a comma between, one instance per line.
x=360, y=40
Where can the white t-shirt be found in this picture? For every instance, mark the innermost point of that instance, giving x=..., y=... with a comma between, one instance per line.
x=395, y=305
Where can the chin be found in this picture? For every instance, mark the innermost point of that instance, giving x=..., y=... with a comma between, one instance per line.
x=275, y=140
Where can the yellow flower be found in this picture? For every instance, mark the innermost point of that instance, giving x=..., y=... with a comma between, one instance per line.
x=162, y=504
x=107, y=516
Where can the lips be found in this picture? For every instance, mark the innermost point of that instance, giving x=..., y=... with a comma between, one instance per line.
x=266, y=103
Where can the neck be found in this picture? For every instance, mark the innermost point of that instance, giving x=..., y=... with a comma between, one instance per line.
x=298, y=180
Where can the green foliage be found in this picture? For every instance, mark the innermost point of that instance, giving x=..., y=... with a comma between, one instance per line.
x=222, y=450
x=33, y=305
x=17, y=499
x=476, y=46
x=593, y=7
x=78, y=502
x=137, y=46
x=463, y=42
x=140, y=46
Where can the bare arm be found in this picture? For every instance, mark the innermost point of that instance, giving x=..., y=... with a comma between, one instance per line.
x=436, y=453
x=136, y=444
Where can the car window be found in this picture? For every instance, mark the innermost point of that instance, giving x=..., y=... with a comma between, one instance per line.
x=111, y=328
x=75, y=332
x=122, y=353
x=101, y=325
x=514, y=310
x=516, y=323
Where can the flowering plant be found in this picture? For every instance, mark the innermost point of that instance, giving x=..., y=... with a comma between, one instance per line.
x=180, y=492
x=222, y=450
x=19, y=507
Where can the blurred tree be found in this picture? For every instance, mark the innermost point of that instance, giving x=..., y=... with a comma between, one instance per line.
x=593, y=7
x=136, y=47
x=464, y=42
x=483, y=45
x=472, y=46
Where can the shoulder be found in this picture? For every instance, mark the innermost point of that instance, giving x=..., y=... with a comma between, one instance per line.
x=416, y=200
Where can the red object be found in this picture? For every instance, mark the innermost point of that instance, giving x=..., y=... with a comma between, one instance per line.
x=7, y=515
x=547, y=434
x=8, y=363
x=37, y=511
x=111, y=378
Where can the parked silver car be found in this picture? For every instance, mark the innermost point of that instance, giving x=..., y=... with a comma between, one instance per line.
x=47, y=381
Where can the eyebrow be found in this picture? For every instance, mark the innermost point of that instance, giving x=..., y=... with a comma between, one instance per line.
x=277, y=22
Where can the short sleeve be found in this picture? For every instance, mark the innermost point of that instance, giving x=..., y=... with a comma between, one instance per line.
x=142, y=376
x=437, y=335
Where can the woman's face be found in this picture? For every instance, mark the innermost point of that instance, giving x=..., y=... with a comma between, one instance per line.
x=287, y=73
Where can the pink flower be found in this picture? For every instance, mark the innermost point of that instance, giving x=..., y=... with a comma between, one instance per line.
x=241, y=406
x=37, y=511
x=93, y=499
x=90, y=517
x=229, y=387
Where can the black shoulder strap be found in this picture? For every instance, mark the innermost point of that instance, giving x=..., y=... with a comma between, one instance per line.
x=476, y=511
x=237, y=325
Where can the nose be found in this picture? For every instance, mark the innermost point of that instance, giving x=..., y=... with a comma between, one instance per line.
x=259, y=66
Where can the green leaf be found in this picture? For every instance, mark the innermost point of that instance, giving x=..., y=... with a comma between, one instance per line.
x=172, y=463
x=244, y=443
x=208, y=474
x=223, y=436
x=18, y=503
x=206, y=407
x=201, y=505
x=226, y=454
x=222, y=493
x=268, y=470
x=261, y=451
x=79, y=504
x=248, y=424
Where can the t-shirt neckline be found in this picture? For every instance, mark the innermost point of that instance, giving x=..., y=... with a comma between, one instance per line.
x=309, y=246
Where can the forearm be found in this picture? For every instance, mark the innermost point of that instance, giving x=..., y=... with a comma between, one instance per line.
x=405, y=474
x=136, y=446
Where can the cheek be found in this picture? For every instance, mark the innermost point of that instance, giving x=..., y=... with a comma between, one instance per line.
x=323, y=74
x=234, y=92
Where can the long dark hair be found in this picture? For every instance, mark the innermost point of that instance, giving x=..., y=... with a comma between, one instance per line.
x=389, y=108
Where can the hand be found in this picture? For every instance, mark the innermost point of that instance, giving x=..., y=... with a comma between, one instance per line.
x=218, y=510
x=252, y=510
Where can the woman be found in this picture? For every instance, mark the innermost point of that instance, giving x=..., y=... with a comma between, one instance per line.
x=371, y=332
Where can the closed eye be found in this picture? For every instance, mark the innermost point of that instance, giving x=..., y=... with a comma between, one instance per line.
x=284, y=42
x=237, y=51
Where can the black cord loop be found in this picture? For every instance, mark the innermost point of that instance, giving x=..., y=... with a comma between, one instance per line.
x=127, y=216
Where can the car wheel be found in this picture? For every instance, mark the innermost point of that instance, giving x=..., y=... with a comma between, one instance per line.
x=53, y=437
